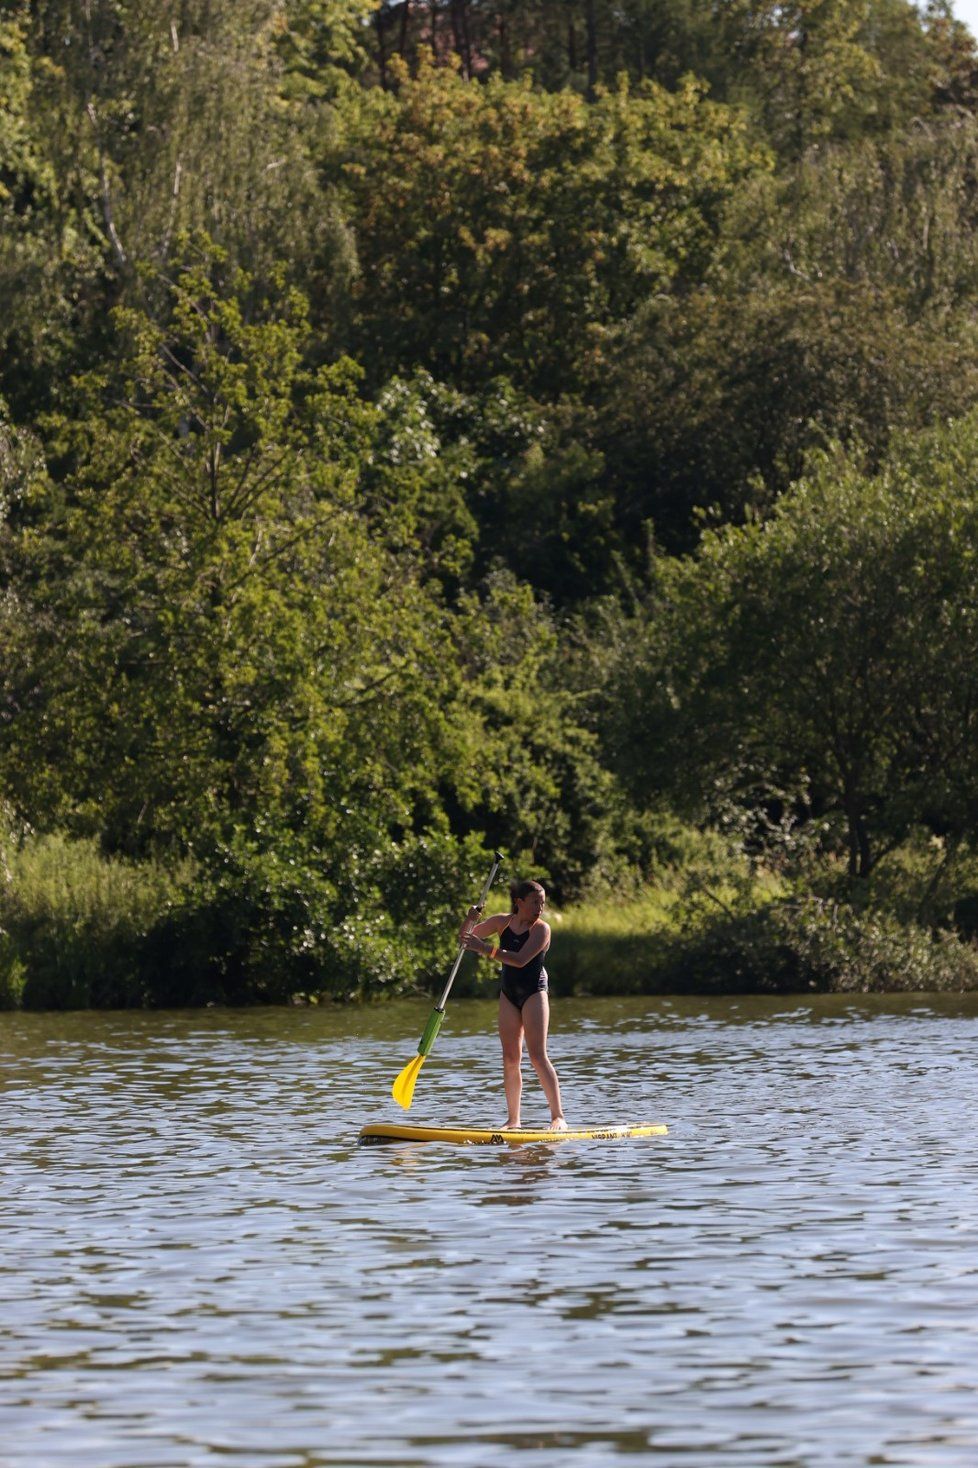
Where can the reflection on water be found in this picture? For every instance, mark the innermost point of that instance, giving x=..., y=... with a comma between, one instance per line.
x=200, y=1266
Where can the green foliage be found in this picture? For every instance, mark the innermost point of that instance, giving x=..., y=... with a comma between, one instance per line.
x=727, y=397
x=661, y=943
x=534, y=219
x=840, y=306
x=79, y=930
x=810, y=945
x=926, y=880
x=280, y=922
x=124, y=125
x=204, y=84
x=73, y=923
x=324, y=44
x=629, y=928
x=823, y=657
x=528, y=772
x=352, y=355
x=227, y=640
x=812, y=70
x=209, y=622
x=20, y=171
x=822, y=69
x=49, y=260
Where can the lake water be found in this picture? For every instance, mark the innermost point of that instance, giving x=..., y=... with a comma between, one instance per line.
x=199, y=1266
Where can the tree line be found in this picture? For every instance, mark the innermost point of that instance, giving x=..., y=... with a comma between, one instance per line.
x=434, y=426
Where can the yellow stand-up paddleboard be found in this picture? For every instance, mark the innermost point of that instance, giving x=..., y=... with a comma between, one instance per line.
x=502, y=1137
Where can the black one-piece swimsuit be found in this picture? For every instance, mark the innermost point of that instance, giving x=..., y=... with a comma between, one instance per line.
x=519, y=983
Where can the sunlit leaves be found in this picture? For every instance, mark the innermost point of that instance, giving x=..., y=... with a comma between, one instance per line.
x=229, y=636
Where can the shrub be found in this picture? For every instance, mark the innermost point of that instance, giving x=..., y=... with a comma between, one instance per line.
x=281, y=924
x=815, y=945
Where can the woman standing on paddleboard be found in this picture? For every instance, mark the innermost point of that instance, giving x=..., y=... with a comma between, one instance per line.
x=524, y=1003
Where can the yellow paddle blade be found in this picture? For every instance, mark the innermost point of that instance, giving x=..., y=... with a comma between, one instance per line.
x=403, y=1088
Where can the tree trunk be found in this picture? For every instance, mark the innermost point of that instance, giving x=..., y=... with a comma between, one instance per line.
x=592, y=49
x=865, y=855
x=381, y=52
x=860, y=851
x=460, y=35
x=505, y=58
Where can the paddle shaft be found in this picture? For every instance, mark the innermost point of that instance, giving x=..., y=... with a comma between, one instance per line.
x=403, y=1087
x=496, y=864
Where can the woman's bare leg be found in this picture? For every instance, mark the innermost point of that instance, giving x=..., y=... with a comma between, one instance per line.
x=511, y=1037
x=536, y=1022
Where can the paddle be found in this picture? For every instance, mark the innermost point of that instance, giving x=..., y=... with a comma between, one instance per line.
x=403, y=1088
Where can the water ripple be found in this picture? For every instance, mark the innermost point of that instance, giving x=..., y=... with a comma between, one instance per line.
x=200, y=1266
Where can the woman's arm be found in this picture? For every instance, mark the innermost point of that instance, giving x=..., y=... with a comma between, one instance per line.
x=538, y=942
x=494, y=924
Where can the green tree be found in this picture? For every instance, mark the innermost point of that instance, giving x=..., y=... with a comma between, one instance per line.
x=215, y=634
x=815, y=69
x=840, y=305
x=50, y=261
x=325, y=44
x=145, y=122
x=827, y=653
x=528, y=774
x=226, y=638
x=810, y=71
x=500, y=230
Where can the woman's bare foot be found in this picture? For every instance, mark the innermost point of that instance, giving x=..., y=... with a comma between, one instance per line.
x=558, y=1124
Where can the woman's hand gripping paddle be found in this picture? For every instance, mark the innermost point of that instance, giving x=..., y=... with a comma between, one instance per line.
x=403, y=1088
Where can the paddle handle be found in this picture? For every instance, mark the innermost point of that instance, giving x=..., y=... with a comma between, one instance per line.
x=496, y=864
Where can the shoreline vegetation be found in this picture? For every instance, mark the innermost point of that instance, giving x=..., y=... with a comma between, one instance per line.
x=430, y=427
x=79, y=930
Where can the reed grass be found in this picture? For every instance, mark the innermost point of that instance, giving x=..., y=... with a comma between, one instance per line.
x=72, y=921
